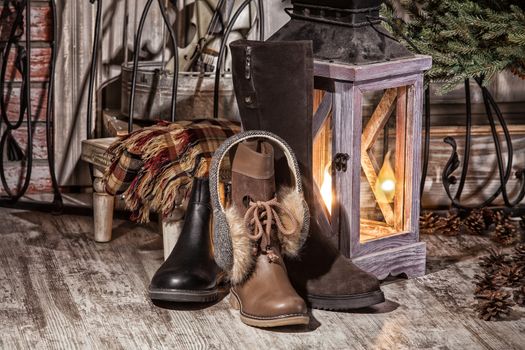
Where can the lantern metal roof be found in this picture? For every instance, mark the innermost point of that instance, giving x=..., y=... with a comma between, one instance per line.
x=342, y=31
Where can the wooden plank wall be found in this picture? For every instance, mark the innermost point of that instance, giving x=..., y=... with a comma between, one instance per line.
x=506, y=88
x=76, y=20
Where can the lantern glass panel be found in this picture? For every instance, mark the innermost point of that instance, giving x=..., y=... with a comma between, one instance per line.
x=322, y=157
x=382, y=192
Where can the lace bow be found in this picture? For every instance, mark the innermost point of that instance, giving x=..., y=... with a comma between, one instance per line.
x=262, y=215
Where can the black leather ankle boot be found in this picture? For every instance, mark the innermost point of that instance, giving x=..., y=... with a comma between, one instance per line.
x=190, y=273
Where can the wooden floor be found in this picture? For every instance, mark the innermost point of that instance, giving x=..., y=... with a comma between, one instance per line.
x=60, y=290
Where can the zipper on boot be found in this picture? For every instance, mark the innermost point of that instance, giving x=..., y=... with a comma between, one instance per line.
x=250, y=98
x=248, y=66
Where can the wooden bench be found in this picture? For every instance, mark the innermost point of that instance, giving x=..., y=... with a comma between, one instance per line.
x=94, y=153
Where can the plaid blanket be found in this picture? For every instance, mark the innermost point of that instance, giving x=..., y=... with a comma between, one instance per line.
x=154, y=167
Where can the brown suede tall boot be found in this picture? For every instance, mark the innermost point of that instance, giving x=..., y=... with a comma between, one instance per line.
x=261, y=289
x=274, y=88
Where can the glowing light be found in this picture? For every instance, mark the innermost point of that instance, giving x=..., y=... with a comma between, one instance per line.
x=326, y=189
x=386, y=182
x=388, y=185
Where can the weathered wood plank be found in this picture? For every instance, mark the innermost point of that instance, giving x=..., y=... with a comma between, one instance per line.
x=383, y=70
x=379, y=118
x=59, y=289
x=321, y=114
x=415, y=158
x=403, y=158
x=347, y=123
x=113, y=126
x=408, y=259
x=371, y=229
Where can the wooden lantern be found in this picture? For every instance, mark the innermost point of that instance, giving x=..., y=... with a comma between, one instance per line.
x=374, y=154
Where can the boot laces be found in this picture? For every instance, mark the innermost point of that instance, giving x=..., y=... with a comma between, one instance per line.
x=262, y=216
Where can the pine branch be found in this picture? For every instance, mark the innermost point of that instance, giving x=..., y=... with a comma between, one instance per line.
x=467, y=39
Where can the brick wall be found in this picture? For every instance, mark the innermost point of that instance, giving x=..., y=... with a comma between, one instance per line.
x=41, y=33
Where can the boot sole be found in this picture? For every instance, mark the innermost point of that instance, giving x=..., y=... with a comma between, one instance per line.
x=280, y=321
x=345, y=302
x=184, y=296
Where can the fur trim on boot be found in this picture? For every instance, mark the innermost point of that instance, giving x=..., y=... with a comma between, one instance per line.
x=243, y=258
x=294, y=202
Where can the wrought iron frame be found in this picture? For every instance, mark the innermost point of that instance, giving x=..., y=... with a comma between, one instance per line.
x=23, y=66
x=504, y=170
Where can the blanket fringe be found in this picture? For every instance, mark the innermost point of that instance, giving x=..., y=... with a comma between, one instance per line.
x=172, y=157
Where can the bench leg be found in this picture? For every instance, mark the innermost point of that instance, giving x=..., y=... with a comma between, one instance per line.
x=171, y=228
x=103, y=206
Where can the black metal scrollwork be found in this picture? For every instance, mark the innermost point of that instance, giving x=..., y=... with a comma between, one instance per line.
x=17, y=33
x=504, y=169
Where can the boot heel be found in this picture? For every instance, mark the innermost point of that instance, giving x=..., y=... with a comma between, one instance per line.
x=234, y=303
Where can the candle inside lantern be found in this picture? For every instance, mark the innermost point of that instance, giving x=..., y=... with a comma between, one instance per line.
x=326, y=189
x=386, y=182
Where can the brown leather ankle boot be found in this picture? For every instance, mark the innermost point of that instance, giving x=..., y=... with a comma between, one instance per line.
x=261, y=289
x=274, y=86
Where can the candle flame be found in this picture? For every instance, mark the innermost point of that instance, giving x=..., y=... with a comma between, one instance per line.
x=386, y=182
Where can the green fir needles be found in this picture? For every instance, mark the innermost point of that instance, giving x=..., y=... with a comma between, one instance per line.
x=467, y=39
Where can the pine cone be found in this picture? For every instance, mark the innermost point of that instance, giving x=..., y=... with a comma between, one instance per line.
x=428, y=223
x=518, y=69
x=493, y=305
x=485, y=283
x=519, y=296
x=499, y=217
x=510, y=276
x=488, y=216
x=519, y=255
x=505, y=233
x=475, y=223
x=494, y=261
x=450, y=225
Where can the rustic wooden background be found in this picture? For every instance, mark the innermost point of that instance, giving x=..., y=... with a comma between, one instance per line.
x=76, y=21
